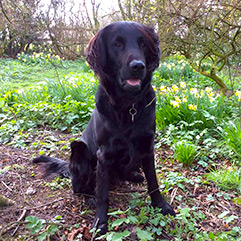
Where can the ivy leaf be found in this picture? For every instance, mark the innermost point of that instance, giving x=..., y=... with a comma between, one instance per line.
x=143, y=235
x=52, y=229
x=42, y=236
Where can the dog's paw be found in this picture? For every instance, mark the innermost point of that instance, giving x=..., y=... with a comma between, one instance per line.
x=167, y=209
x=98, y=226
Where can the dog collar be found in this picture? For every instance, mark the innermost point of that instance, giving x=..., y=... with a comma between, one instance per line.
x=133, y=110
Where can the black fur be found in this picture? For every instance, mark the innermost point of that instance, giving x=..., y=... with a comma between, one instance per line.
x=119, y=138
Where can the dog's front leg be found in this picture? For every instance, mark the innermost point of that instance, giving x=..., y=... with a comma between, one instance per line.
x=157, y=198
x=102, y=189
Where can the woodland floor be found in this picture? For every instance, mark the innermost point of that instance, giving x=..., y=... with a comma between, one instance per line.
x=20, y=182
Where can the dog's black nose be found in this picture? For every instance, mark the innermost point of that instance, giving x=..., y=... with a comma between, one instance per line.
x=137, y=65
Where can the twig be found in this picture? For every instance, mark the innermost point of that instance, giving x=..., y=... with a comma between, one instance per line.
x=8, y=227
x=94, y=229
x=46, y=204
x=11, y=225
x=7, y=186
x=23, y=215
x=173, y=194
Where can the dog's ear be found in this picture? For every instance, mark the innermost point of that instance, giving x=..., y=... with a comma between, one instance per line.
x=154, y=52
x=96, y=54
x=79, y=148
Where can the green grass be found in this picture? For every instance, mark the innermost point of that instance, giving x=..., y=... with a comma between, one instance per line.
x=16, y=74
x=185, y=152
x=228, y=178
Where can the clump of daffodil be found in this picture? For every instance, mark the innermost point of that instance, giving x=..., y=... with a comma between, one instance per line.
x=238, y=94
x=211, y=94
x=175, y=88
x=184, y=99
x=174, y=103
x=163, y=90
x=194, y=91
x=211, y=99
x=177, y=99
x=208, y=89
x=183, y=84
x=192, y=107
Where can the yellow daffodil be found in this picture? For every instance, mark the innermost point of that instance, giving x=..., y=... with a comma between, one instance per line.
x=208, y=89
x=175, y=88
x=20, y=91
x=194, y=90
x=183, y=84
x=163, y=88
x=211, y=99
x=177, y=99
x=184, y=99
x=192, y=107
x=238, y=94
x=211, y=94
x=174, y=103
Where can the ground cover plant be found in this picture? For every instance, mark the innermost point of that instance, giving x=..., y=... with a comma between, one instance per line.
x=45, y=102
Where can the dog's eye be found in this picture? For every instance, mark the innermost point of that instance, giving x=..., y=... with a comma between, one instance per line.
x=118, y=44
x=142, y=45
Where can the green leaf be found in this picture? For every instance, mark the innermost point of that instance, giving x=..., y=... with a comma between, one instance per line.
x=211, y=236
x=52, y=229
x=210, y=197
x=230, y=219
x=120, y=236
x=118, y=212
x=38, y=226
x=222, y=215
x=2, y=102
x=155, y=221
x=119, y=222
x=42, y=236
x=143, y=235
x=133, y=219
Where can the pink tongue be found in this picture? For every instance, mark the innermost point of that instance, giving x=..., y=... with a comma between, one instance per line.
x=133, y=82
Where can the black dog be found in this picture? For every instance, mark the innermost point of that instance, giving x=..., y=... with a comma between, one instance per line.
x=119, y=138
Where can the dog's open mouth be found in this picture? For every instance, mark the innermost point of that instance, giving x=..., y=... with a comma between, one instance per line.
x=133, y=82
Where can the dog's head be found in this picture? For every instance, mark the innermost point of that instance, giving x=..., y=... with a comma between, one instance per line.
x=127, y=51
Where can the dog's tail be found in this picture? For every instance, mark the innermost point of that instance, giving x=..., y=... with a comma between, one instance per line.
x=51, y=167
